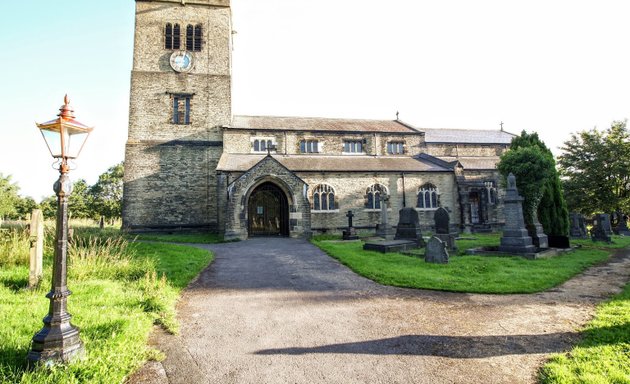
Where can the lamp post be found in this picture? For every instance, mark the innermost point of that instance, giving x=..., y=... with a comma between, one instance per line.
x=58, y=341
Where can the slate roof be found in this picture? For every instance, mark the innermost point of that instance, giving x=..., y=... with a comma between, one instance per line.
x=474, y=162
x=465, y=136
x=319, y=124
x=312, y=163
x=432, y=135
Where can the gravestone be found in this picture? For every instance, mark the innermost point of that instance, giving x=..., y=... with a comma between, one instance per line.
x=37, y=248
x=436, y=251
x=384, y=229
x=535, y=230
x=409, y=226
x=443, y=228
x=578, y=226
x=598, y=232
x=622, y=227
x=558, y=241
x=350, y=233
x=603, y=219
x=515, y=236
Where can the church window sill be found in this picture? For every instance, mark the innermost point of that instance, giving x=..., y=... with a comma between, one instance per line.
x=327, y=211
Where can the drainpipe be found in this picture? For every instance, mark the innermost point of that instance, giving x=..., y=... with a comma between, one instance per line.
x=404, y=195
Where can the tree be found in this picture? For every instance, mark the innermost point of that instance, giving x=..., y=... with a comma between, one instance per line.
x=8, y=196
x=595, y=166
x=80, y=201
x=49, y=207
x=107, y=193
x=552, y=210
x=24, y=206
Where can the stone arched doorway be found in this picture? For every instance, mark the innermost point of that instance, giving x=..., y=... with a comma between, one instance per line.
x=268, y=211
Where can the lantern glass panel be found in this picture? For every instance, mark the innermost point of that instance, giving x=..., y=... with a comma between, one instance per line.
x=74, y=141
x=53, y=141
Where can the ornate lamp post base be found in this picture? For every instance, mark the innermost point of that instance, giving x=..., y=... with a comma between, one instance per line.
x=58, y=341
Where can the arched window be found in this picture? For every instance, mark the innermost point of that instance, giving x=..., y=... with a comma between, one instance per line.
x=373, y=196
x=172, y=36
x=324, y=198
x=427, y=196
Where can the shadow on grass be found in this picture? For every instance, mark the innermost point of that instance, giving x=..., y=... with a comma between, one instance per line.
x=15, y=283
x=13, y=360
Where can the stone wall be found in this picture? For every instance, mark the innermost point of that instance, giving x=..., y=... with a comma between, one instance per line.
x=169, y=186
x=350, y=194
x=330, y=143
x=454, y=149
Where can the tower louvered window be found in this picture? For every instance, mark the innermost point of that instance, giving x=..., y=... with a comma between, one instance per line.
x=197, y=42
x=172, y=36
x=193, y=37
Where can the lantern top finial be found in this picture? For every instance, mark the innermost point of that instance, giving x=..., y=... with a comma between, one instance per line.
x=66, y=111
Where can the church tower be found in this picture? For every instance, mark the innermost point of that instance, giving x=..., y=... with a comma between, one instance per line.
x=180, y=99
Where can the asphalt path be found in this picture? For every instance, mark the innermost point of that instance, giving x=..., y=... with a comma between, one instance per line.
x=279, y=310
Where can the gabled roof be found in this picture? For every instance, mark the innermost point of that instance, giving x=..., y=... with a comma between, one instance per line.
x=311, y=163
x=475, y=162
x=319, y=124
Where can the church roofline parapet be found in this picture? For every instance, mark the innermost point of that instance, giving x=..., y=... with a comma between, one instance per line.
x=211, y=3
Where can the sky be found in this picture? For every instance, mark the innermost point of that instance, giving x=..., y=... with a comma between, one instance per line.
x=553, y=67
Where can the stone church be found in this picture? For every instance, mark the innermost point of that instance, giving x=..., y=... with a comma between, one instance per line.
x=192, y=165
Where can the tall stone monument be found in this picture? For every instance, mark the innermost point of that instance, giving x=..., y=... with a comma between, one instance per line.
x=350, y=233
x=515, y=236
x=384, y=229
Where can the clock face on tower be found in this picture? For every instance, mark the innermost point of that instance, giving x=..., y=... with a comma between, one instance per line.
x=181, y=61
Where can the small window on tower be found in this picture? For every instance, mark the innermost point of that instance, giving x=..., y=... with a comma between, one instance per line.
x=168, y=36
x=181, y=109
x=177, y=37
x=189, y=37
x=197, y=45
x=172, y=38
x=193, y=37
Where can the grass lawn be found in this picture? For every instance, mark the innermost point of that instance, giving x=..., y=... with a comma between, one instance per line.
x=477, y=274
x=603, y=355
x=199, y=238
x=120, y=291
